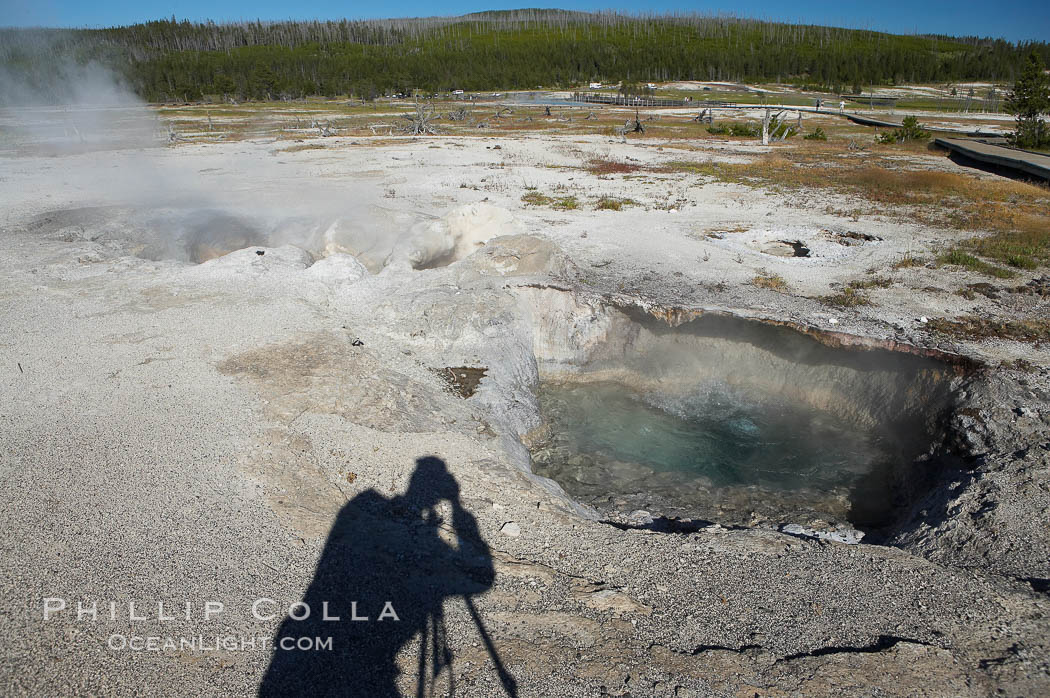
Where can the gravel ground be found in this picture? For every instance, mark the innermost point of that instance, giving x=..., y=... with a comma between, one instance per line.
x=183, y=433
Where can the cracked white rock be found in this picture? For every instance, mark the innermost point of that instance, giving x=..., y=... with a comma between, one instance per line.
x=848, y=536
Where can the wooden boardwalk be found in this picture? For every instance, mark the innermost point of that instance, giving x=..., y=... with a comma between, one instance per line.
x=1033, y=164
x=961, y=142
x=869, y=121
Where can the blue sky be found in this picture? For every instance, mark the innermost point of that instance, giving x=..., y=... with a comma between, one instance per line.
x=1020, y=20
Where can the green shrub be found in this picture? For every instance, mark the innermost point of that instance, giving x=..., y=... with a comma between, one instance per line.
x=910, y=130
x=745, y=130
x=817, y=135
x=738, y=130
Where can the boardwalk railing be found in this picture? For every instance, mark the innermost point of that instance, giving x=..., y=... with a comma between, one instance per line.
x=639, y=100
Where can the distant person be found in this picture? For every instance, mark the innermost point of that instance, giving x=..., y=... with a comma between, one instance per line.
x=386, y=549
x=842, y=105
x=818, y=104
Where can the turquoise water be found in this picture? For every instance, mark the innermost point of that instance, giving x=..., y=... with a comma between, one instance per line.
x=605, y=438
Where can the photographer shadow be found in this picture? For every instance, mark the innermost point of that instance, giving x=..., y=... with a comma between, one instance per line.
x=387, y=568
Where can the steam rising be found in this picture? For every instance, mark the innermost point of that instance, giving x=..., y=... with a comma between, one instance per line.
x=53, y=99
x=114, y=152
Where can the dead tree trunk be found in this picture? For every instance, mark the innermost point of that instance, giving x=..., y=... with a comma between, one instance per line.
x=419, y=123
x=706, y=116
x=637, y=128
x=776, y=128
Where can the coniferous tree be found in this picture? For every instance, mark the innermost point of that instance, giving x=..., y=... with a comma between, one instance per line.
x=1029, y=101
x=517, y=49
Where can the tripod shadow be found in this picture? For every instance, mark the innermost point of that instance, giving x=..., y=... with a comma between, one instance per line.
x=393, y=561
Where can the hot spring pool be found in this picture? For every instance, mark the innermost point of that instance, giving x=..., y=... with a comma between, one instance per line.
x=712, y=452
x=732, y=420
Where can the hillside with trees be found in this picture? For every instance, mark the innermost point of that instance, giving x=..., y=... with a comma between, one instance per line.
x=523, y=49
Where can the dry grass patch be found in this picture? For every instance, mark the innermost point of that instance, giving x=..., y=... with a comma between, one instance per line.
x=957, y=257
x=561, y=203
x=708, y=169
x=611, y=203
x=1016, y=215
x=605, y=166
x=971, y=291
x=301, y=147
x=973, y=327
x=534, y=198
x=873, y=282
x=774, y=282
x=848, y=298
x=908, y=261
x=1021, y=230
